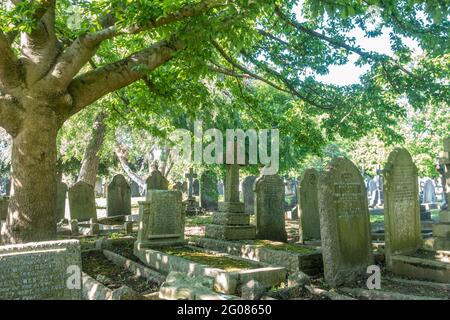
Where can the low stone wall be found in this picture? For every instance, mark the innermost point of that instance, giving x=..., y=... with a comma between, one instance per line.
x=136, y=268
x=310, y=263
x=94, y=290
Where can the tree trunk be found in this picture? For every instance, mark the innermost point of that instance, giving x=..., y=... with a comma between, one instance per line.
x=89, y=165
x=33, y=183
x=126, y=167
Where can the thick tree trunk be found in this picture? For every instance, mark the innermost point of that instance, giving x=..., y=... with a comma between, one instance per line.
x=91, y=160
x=33, y=203
x=126, y=167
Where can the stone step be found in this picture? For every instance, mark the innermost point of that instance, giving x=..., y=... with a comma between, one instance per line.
x=444, y=216
x=231, y=218
x=216, y=231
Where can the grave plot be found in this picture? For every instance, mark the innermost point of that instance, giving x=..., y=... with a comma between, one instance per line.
x=108, y=276
x=293, y=257
x=228, y=272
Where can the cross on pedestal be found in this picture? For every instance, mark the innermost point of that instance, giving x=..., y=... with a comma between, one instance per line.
x=232, y=183
x=190, y=176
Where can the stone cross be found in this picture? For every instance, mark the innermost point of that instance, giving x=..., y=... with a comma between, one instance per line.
x=190, y=176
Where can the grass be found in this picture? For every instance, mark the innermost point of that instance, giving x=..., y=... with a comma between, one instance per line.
x=209, y=259
x=199, y=220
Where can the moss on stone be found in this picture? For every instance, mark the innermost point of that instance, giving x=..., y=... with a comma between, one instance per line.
x=281, y=246
x=209, y=259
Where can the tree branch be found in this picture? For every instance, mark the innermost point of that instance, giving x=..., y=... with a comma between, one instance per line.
x=84, y=47
x=94, y=84
x=339, y=44
x=10, y=67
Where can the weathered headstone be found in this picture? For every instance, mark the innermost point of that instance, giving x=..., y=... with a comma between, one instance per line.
x=41, y=271
x=308, y=208
x=191, y=175
x=209, y=196
x=191, y=203
x=220, y=188
x=161, y=220
x=269, y=208
x=82, y=201
x=401, y=210
x=4, y=202
x=118, y=197
x=429, y=192
x=61, y=195
x=195, y=187
x=248, y=195
x=156, y=181
x=135, y=189
x=344, y=223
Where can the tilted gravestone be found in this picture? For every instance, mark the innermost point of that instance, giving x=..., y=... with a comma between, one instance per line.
x=209, y=195
x=118, y=197
x=401, y=208
x=61, y=195
x=269, y=208
x=248, y=195
x=156, y=181
x=344, y=223
x=41, y=271
x=82, y=201
x=161, y=220
x=4, y=202
x=308, y=208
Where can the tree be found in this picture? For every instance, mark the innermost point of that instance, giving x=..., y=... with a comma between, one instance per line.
x=46, y=76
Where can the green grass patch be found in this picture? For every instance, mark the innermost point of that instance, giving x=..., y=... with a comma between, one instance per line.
x=199, y=220
x=209, y=259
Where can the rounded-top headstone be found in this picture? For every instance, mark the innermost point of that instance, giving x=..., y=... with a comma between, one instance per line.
x=118, y=197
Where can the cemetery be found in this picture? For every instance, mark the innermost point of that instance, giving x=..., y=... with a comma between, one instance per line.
x=321, y=170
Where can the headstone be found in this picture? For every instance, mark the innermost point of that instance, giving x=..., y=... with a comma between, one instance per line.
x=308, y=208
x=220, y=188
x=161, y=220
x=195, y=187
x=61, y=195
x=4, y=202
x=209, y=196
x=41, y=271
x=429, y=192
x=118, y=197
x=135, y=190
x=99, y=188
x=156, y=181
x=190, y=176
x=344, y=223
x=82, y=201
x=191, y=203
x=269, y=208
x=248, y=195
x=401, y=210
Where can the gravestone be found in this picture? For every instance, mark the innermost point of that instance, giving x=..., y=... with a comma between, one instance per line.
x=344, y=223
x=231, y=222
x=4, y=202
x=308, y=208
x=429, y=192
x=209, y=196
x=41, y=271
x=248, y=195
x=82, y=201
x=269, y=208
x=118, y=197
x=135, y=189
x=191, y=203
x=161, y=220
x=220, y=188
x=156, y=181
x=61, y=195
x=195, y=187
x=401, y=210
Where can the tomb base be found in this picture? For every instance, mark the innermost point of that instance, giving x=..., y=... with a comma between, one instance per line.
x=231, y=218
x=419, y=268
x=227, y=232
x=231, y=207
